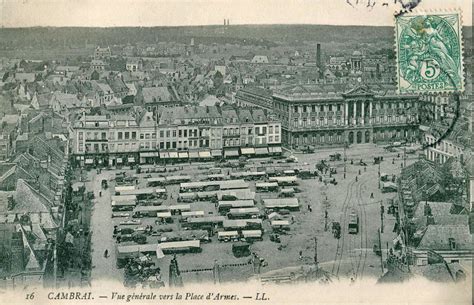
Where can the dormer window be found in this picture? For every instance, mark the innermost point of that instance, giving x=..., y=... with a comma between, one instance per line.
x=452, y=244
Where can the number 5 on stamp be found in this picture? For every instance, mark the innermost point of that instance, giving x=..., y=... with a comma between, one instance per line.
x=429, y=53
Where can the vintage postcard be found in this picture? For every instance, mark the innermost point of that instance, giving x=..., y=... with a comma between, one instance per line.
x=236, y=152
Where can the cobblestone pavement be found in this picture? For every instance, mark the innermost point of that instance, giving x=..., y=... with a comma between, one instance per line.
x=353, y=258
x=102, y=230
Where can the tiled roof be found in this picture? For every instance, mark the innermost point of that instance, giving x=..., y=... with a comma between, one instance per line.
x=176, y=114
x=28, y=200
x=158, y=94
x=437, y=237
x=67, y=100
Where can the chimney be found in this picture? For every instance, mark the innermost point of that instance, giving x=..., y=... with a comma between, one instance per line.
x=452, y=244
x=11, y=202
x=430, y=220
x=318, y=59
x=427, y=209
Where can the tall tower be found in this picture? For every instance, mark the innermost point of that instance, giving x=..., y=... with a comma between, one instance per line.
x=318, y=59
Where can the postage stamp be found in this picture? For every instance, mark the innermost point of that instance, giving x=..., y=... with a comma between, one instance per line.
x=429, y=53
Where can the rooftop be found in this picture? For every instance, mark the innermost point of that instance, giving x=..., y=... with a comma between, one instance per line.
x=437, y=238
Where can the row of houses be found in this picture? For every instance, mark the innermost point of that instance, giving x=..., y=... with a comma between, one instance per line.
x=145, y=136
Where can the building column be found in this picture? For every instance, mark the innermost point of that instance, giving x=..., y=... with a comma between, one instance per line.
x=363, y=113
x=346, y=113
x=354, y=116
x=370, y=112
x=326, y=109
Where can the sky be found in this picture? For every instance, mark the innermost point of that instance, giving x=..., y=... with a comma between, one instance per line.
x=109, y=13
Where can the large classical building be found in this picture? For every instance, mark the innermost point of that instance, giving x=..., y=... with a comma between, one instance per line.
x=174, y=133
x=329, y=115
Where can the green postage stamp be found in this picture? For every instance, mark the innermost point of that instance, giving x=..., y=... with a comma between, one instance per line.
x=429, y=53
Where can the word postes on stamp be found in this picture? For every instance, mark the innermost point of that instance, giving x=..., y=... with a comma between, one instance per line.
x=429, y=49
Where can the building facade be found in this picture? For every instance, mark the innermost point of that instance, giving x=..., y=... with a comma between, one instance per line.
x=176, y=133
x=337, y=119
x=441, y=150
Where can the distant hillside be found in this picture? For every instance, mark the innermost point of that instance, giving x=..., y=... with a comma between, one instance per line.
x=244, y=34
x=266, y=35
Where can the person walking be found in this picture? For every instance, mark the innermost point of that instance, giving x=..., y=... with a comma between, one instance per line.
x=106, y=253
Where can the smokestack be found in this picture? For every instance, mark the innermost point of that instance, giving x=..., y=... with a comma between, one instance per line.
x=318, y=59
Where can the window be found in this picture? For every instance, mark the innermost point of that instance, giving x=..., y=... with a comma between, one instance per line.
x=174, y=133
x=168, y=133
x=153, y=135
x=127, y=135
x=180, y=133
x=142, y=136
x=321, y=108
x=147, y=136
x=119, y=135
x=330, y=107
x=304, y=108
x=162, y=133
x=313, y=108
x=277, y=129
x=81, y=135
x=185, y=133
x=104, y=136
x=295, y=123
x=270, y=129
x=162, y=145
x=134, y=135
x=338, y=107
x=295, y=109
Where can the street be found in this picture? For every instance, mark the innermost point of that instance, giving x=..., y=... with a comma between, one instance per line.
x=102, y=229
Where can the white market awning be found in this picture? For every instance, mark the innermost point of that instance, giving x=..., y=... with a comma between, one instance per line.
x=131, y=160
x=89, y=161
x=119, y=160
x=149, y=154
x=247, y=151
x=173, y=154
x=216, y=153
x=261, y=151
x=164, y=155
x=275, y=149
x=193, y=154
x=231, y=153
x=183, y=155
x=205, y=154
